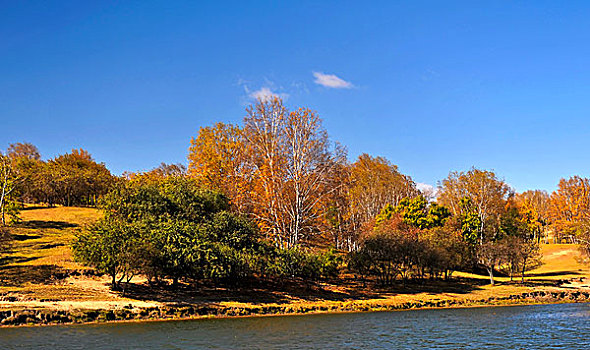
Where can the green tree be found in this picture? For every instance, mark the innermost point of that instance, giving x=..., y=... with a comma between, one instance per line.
x=9, y=181
x=419, y=213
x=111, y=246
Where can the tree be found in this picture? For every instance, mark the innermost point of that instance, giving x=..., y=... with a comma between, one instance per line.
x=478, y=199
x=112, y=247
x=311, y=164
x=535, y=201
x=23, y=150
x=476, y=191
x=491, y=254
x=217, y=160
x=529, y=253
x=264, y=132
x=375, y=183
x=336, y=206
x=9, y=180
x=583, y=231
x=449, y=249
x=389, y=250
x=569, y=205
x=31, y=170
x=77, y=179
x=419, y=213
x=168, y=227
x=279, y=168
x=533, y=207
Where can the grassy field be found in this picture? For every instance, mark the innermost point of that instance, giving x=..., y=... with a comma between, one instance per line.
x=39, y=272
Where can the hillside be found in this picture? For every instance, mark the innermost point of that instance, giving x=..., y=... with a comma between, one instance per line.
x=39, y=273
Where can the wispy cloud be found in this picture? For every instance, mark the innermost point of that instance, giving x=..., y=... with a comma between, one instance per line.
x=265, y=94
x=331, y=81
x=430, y=192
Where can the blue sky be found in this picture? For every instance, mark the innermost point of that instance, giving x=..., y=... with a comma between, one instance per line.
x=433, y=86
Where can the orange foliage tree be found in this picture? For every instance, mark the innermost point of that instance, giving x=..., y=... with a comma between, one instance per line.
x=374, y=183
x=217, y=160
x=569, y=205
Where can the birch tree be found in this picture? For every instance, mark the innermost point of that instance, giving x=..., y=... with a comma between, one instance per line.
x=476, y=191
x=294, y=164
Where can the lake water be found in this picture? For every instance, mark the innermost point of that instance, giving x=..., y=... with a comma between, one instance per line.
x=562, y=326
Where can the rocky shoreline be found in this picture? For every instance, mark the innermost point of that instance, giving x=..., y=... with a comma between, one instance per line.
x=44, y=316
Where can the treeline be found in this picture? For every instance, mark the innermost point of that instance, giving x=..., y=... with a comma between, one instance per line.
x=275, y=198
x=280, y=169
x=70, y=179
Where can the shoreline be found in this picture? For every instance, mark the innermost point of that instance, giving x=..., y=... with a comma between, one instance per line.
x=39, y=317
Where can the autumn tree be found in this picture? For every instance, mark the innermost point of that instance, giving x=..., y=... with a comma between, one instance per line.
x=390, y=250
x=520, y=236
x=533, y=206
x=490, y=255
x=476, y=192
x=336, y=207
x=264, y=132
x=217, y=160
x=279, y=168
x=375, y=183
x=166, y=170
x=28, y=164
x=76, y=179
x=569, y=205
x=394, y=248
x=294, y=164
x=23, y=150
x=446, y=248
x=311, y=166
x=478, y=199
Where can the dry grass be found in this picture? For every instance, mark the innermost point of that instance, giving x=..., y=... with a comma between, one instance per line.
x=40, y=250
x=44, y=236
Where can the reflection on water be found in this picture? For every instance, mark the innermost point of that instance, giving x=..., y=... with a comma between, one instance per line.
x=562, y=326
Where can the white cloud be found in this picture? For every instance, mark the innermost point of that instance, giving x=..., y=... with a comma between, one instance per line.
x=265, y=94
x=331, y=81
x=430, y=192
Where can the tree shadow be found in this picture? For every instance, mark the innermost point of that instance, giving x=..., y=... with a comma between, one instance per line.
x=552, y=273
x=456, y=285
x=35, y=206
x=256, y=292
x=278, y=291
x=24, y=237
x=40, y=224
x=14, y=260
x=16, y=276
x=51, y=245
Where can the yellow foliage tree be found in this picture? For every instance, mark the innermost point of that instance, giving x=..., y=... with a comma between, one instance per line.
x=569, y=205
